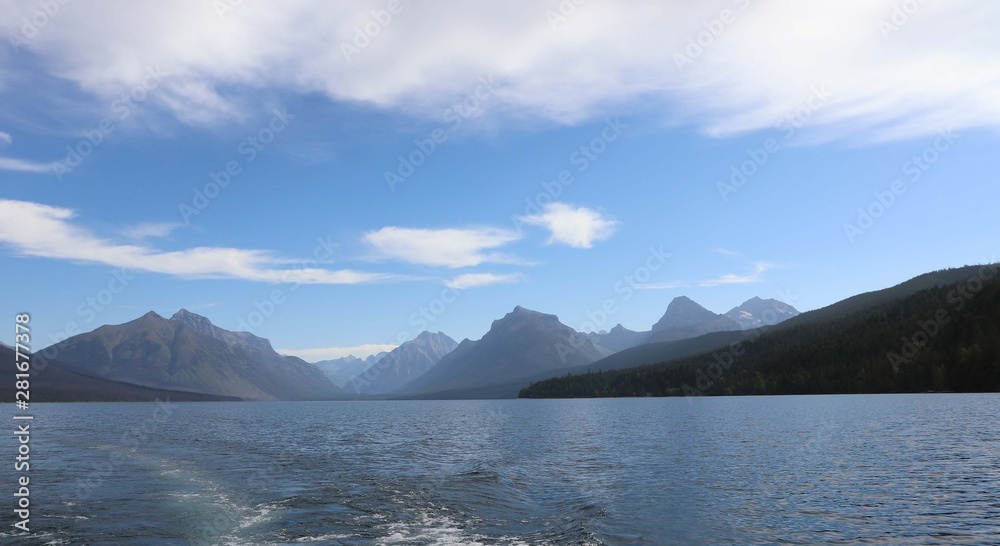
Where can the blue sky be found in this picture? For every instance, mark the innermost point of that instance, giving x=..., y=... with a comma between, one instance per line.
x=579, y=165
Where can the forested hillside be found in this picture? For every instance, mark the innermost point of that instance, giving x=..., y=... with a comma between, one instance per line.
x=944, y=338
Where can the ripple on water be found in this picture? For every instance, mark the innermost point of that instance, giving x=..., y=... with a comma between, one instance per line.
x=769, y=470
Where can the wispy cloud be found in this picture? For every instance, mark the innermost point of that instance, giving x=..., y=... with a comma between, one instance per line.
x=734, y=83
x=472, y=280
x=151, y=230
x=33, y=229
x=726, y=251
x=450, y=248
x=732, y=278
x=756, y=274
x=329, y=353
x=20, y=165
x=578, y=227
x=662, y=285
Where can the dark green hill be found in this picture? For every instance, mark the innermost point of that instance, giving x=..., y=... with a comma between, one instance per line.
x=936, y=332
x=902, y=290
x=661, y=351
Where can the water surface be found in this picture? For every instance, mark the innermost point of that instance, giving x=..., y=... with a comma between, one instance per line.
x=901, y=469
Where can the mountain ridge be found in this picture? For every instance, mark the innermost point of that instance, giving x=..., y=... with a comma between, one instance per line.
x=403, y=364
x=919, y=335
x=189, y=353
x=521, y=343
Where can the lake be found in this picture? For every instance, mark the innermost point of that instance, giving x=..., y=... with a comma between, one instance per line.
x=901, y=469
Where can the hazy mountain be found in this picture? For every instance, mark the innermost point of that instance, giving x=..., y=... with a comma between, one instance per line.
x=686, y=319
x=341, y=370
x=403, y=364
x=756, y=312
x=521, y=344
x=54, y=382
x=244, y=340
x=682, y=311
x=618, y=339
x=189, y=353
x=652, y=353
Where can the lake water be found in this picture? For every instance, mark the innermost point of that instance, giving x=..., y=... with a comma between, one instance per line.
x=901, y=469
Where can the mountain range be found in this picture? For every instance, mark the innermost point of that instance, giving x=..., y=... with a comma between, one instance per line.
x=521, y=344
x=403, y=364
x=341, y=370
x=935, y=332
x=838, y=348
x=685, y=319
x=187, y=353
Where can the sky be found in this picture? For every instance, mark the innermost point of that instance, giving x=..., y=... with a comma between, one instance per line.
x=338, y=177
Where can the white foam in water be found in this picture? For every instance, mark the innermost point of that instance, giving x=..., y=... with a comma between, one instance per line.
x=57, y=516
x=439, y=531
x=264, y=510
x=182, y=495
x=323, y=538
x=230, y=517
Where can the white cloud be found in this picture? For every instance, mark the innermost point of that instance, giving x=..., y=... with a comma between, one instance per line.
x=756, y=275
x=153, y=229
x=726, y=251
x=936, y=69
x=34, y=229
x=578, y=227
x=662, y=285
x=329, y=353
x=442, y=247
x=20, y=165
x=472, y=280
x=731, y=278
